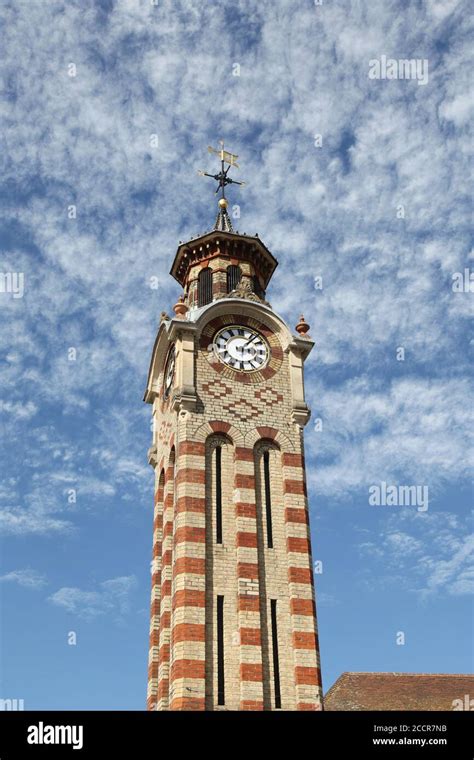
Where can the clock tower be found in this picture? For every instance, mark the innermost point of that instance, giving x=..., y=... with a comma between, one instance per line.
x=233, y=618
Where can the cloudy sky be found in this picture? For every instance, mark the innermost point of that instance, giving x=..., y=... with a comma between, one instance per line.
x=358, y=185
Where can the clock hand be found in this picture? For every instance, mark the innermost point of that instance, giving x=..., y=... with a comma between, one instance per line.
x=249, y=341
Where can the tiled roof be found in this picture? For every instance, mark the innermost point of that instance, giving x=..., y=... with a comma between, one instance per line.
x=399, y=691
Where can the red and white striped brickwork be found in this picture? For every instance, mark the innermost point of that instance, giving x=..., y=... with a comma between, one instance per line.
x=191, y=565
x=265, y=589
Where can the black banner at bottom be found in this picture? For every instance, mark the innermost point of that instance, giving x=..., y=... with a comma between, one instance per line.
x=102, y=734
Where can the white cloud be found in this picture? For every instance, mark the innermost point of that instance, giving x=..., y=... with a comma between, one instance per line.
x=65, y=479
x=416, y=431
x=427, y=554
x=326, y=600
x=27, y=578
x=18, y=410
x=455, y=574
x=18, y=521
x=458, y=110
x=113, y=596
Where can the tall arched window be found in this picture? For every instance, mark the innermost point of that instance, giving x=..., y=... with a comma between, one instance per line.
x=234, y=274
x=205, y=286
x=267, y=497
x=270, y=528
x=268, y=472
x=219, y=461
x=220, y=612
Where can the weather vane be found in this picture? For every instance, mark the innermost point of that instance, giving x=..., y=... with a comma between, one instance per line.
x=222, y=178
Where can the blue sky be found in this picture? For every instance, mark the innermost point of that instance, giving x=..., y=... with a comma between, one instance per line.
x=109, y=107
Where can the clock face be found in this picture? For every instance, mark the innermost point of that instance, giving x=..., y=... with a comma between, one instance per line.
x=169, y=372
x=241, y=348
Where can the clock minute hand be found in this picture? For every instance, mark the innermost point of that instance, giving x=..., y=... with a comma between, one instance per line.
x=249, y=341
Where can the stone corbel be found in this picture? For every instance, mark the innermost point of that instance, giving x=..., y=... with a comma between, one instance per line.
x=152, y=456
x=184, y=399
x=300, y=414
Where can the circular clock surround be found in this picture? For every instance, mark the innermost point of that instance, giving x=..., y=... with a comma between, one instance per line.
x=242, y=348
x=275, y=354
x=169, y=372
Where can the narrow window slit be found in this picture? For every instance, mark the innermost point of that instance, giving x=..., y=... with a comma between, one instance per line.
x=276, y=664
x=234, y=274
x=219, y=494
x=220, y=651
x=205, y=287
x=268, y=500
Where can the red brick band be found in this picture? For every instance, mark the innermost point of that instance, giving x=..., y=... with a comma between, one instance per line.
x=290, y=459
x=190, y=475
x=251, y=704
x=251, y=672
x=188, y=703
x=301, y=545
x=248, y=603
x=294, y=486
x=308, y=676
x=245, y=509
x=300, y=575
x=190, y=534
x=250, y=636
x=189, y=598
x=247, y=539
x=190, y=504
x=302, y=606
x=296, y=515
x=188, y=632
x=194, y=448
x=192, y=565
x=188, y=669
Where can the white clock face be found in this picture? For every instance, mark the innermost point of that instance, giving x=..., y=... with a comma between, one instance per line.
x=241, y=348
x=169, y=371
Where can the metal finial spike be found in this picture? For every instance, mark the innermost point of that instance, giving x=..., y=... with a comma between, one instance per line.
x=223, y=222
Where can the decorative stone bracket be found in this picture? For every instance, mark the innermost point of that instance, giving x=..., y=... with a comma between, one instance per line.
x=300, y=414
x=185, y=398
x=152, y=456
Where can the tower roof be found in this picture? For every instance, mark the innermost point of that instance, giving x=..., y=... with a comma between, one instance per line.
x=233, y=244
x=223, y=240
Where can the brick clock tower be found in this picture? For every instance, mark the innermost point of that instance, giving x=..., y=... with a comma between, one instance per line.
x=233, y=618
